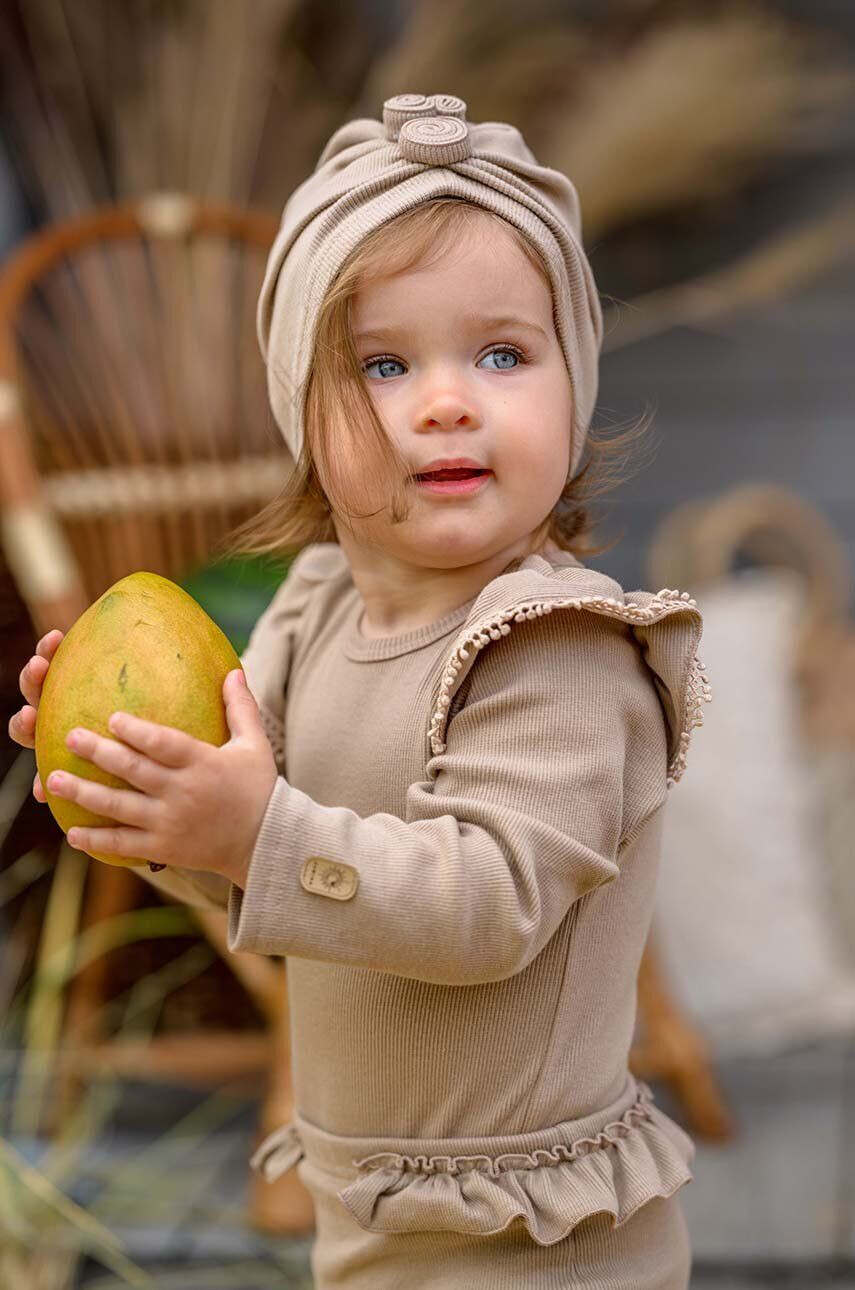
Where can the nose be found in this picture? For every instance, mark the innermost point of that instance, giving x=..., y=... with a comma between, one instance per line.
x=448, y=411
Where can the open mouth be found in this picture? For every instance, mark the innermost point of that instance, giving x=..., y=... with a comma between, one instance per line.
x=460, y=472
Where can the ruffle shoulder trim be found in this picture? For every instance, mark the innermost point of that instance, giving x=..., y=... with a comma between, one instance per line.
x=667, y=627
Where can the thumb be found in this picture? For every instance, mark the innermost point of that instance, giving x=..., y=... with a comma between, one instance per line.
x=241, y=709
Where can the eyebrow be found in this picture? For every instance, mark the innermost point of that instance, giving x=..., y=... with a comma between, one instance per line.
x=503, y=320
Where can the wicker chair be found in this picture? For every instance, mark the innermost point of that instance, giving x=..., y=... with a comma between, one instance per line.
x=134, y=433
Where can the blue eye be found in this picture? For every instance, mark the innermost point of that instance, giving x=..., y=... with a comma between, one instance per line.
x=385, y=360
x=504, y=351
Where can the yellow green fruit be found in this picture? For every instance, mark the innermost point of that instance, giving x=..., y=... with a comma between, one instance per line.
x=146, y=647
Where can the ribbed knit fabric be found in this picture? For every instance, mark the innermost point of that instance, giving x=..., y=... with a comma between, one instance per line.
x=487, y=794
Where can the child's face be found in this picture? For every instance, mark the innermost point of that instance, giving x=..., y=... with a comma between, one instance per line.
x=449, y=385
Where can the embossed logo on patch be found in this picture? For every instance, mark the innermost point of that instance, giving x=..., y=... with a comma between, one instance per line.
x=329, y=877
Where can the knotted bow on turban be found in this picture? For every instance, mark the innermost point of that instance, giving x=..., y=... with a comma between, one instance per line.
x=369, y=172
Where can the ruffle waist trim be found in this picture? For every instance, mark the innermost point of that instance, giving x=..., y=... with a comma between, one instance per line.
x=633, y=1159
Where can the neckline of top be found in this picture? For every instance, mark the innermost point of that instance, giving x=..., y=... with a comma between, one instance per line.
x=374, y=648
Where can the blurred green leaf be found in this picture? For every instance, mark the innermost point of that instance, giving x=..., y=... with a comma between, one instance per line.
x=235, y=592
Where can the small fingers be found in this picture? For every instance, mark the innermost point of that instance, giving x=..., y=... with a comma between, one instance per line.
x=34, y=671
x=38, y=791
x=162, y=746
x=22, y=727
x=49, y=643
x=113, y=755
x=131, y=843
x=126, y=807
x=31, y=678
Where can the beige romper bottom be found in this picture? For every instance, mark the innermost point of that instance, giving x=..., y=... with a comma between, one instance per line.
x=498, y=1213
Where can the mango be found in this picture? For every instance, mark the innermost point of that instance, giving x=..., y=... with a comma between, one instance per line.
x=147, y=647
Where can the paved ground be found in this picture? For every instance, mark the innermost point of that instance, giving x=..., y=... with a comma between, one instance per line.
x=784, y=1190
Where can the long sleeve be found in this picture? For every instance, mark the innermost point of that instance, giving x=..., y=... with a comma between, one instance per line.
x=266, y=662
x=522, y=815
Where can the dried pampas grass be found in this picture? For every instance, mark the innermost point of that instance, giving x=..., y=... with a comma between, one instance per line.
x=777, y=267
x=676, y=110
x=508, y=63
x=106, y=103
x=647, y=107
x=691, y=110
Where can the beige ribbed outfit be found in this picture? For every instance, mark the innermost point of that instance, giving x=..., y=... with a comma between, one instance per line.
x=459, y=860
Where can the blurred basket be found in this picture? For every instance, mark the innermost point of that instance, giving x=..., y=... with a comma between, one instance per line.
x=786, y=647
x=700, y=542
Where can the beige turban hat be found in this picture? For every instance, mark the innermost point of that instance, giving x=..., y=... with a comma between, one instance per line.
x=371, y=171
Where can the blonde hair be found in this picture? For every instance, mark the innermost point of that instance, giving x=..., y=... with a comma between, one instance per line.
x=338, y=405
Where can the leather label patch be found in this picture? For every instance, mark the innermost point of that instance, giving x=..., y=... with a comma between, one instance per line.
x=329, y=877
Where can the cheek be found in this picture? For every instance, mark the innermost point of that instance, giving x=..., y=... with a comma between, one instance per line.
x=390, y=407
x=541, y=453
x=554, y=433
x=364, y=470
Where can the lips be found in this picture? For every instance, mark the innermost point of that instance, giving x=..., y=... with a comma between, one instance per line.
x=449, y=468
x=471, y=483
x=461, y=472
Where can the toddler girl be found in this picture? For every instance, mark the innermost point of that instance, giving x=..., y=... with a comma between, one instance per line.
x=469, y=738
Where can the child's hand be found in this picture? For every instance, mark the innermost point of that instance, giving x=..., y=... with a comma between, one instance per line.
x=22, y=725
x=190, y=804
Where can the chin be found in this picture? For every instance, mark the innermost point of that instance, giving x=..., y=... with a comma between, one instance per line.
x=443, y=551
x=437, y=553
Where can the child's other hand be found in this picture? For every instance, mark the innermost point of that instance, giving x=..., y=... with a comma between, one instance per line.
x=189, y=803
x=22, y=725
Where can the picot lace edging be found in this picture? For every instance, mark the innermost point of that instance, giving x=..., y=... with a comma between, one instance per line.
x=494, y=1165
x=666, y=601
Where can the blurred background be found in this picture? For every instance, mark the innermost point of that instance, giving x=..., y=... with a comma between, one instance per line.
x=146, y=152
